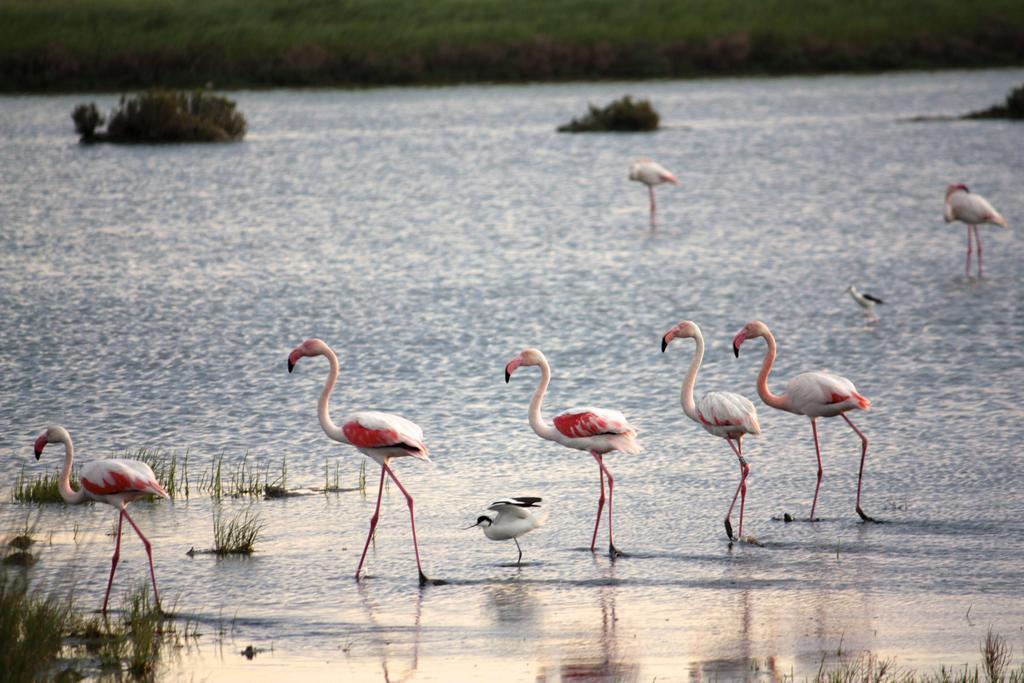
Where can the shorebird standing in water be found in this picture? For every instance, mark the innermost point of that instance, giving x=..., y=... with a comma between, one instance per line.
x=866, y=301
x=512, y=521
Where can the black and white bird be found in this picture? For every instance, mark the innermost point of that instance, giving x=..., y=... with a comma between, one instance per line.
x=866, y=301
x=512, y=520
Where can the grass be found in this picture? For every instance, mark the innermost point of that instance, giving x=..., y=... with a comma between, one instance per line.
x=246, y=479
x=171, y=474
x=622, y=115
x=125, y=44
x=37, y=489
x=160, y=116
x=32, y=628
x=238, y=535
x=1012, y=108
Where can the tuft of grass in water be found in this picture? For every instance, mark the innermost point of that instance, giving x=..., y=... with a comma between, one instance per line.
x=622, y=115
x=246, y=479
x=172, y=477
x=40, y=488
x=32, y=627
x=1012, y=108
x=161, y=116
x=996, y=655
x=238, y=535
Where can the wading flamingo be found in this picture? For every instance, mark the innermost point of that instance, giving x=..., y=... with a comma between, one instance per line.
x=381, y=436
x=114, y=481
x=866, y=301
x=512, y=521
x=814, y=394
x=721, y=413
x=972, y=209
x=595, y=430
x=651, y=173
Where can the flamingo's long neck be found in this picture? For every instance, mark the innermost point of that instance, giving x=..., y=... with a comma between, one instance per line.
x=64, y=485
x=774, y=400
x=686, y=397
x=542, y=429
x=323, y=405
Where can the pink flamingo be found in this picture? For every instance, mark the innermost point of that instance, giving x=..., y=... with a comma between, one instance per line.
x=587, y=429
x=972, y=209
x=651, y=173
x=722, y=413
x=114, y=481
x=381, y=436
x=814, y=394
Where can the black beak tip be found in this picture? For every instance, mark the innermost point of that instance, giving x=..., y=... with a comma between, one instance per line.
x=38, y=453
x=508, y=375
x=736, y=350
x=291, y=365
x=664, y=345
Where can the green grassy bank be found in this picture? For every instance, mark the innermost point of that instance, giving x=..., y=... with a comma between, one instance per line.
x=55, y=45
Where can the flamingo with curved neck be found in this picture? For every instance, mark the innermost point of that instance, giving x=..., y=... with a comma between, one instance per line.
x=380, y=436
x=974, y=210
x=722, y=413
x=814, y=394
x=113, y=481
x=596, y=430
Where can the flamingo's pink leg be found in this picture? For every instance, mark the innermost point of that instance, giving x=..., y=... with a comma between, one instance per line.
x=149, y=553
x=412, y=518
x=817, y=450
x=113, y=560
x=860, y=474
x=654, y=206
x=977, y=241
x=612, y=550
x=600, y=507
x=741, y=489
x=967, y=269
x=373, y=523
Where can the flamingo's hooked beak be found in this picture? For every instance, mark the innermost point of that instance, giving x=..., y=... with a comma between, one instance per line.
x=511, y=367
x=293, y=358
x=666, y=339
x=40, y=445
x=738, y=340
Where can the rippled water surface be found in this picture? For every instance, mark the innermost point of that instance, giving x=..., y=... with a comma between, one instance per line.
x=150, y=297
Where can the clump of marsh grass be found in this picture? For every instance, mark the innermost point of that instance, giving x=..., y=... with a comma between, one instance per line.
x=160, y=116
x=1012, y=108
x=996, y=654
x=32, y=628
x=864, y=668
x=622, y=115
x=332, y=478
x=40, y=488
x=246, y=479
x=171, y=474
x=238, y=535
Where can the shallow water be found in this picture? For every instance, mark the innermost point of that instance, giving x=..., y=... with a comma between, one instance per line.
x=150, y=297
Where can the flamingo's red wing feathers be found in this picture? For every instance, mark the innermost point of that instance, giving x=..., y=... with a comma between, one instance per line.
x=578, y=425
x=363, y=437
x=118, y=482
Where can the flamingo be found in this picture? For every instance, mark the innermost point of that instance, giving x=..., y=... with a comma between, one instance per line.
x=866, y=301
x=380, y=436
x=972, y=209
x=651, y=173
x=512, y=521
x=595, y=430
x=722, y=413
x=814, y=394
x=114, y=481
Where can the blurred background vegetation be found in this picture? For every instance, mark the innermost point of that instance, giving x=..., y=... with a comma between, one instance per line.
x=61, y=45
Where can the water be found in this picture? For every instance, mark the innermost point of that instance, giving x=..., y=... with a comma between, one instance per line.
x=150, y=297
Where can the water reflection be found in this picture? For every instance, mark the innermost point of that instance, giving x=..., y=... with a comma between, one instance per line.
x=382, y=638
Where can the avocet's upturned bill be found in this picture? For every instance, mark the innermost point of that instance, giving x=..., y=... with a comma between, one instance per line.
x=513, y=517
x=722, y=413
x=651, y=173
x=596, y=430
x=974, y=210
x=814, y=394
x=381, y=436
x=114, y=481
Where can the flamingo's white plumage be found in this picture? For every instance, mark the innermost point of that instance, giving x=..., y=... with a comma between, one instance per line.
x=596, y=430
x=723, y=413
x=974, y=210
x=113, y=481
